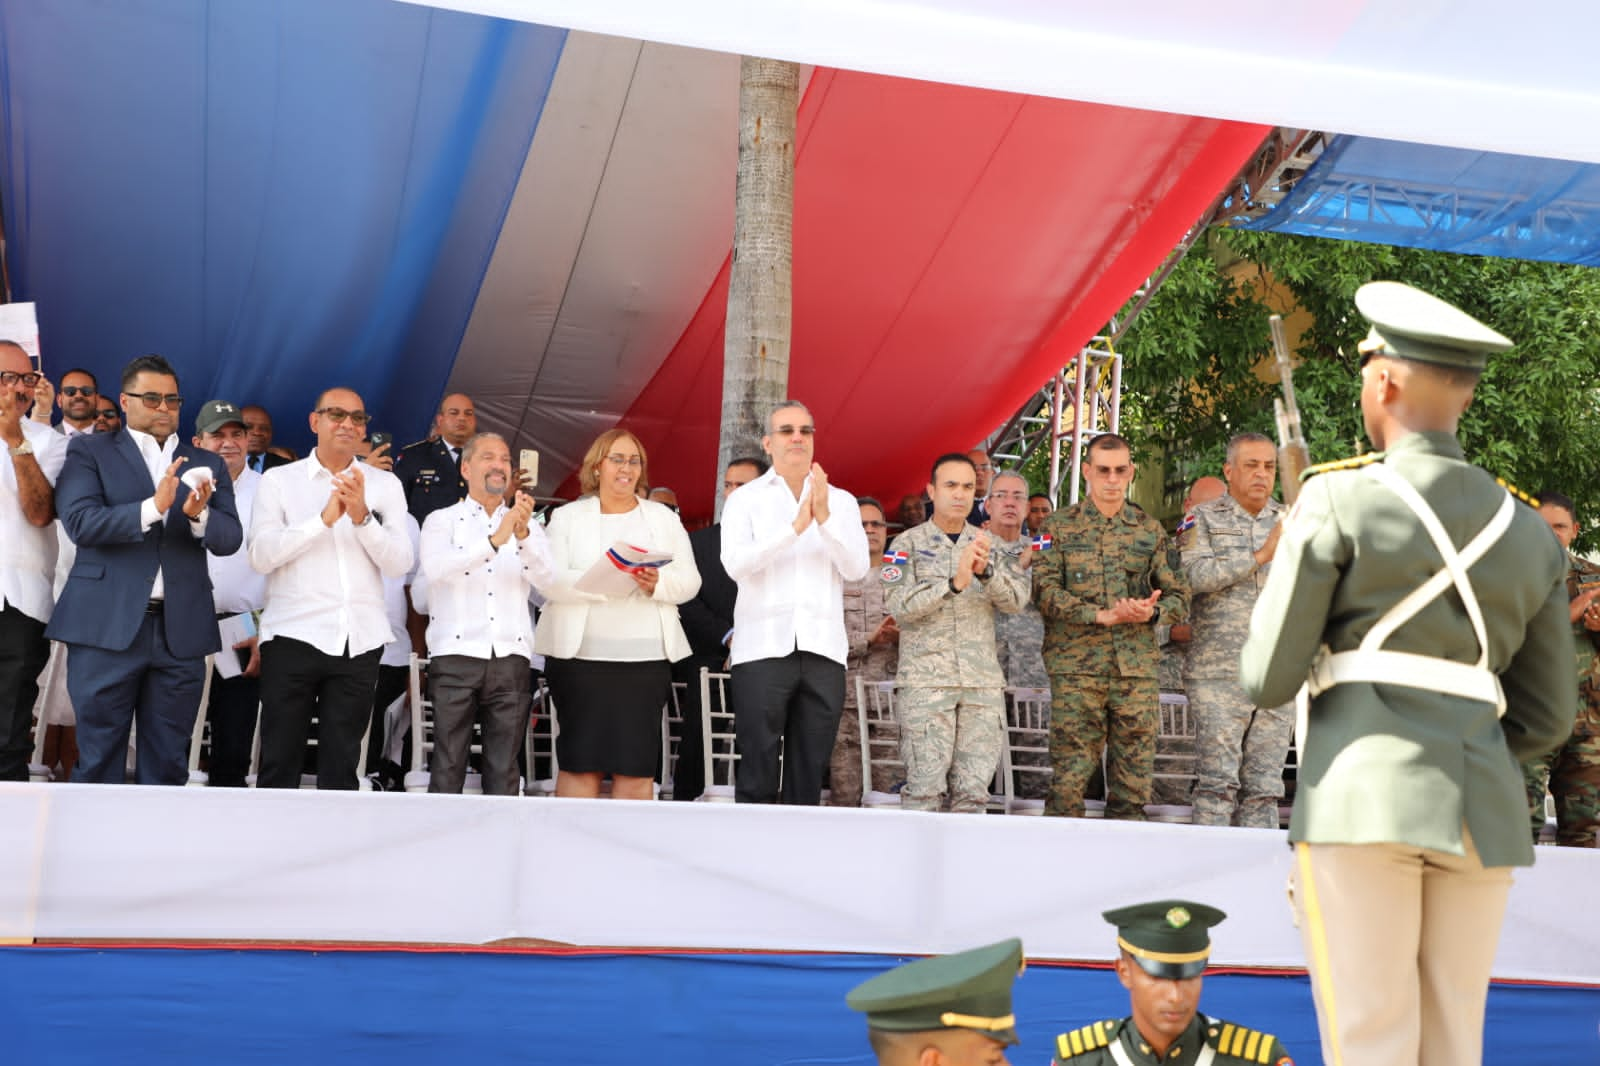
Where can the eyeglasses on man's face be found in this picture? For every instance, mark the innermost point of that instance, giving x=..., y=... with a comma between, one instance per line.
x=339, y=414
x=106, y=412
x=630, y=462
x=11, y=377
x=869, y=523
x=789, y=431
x=154, y=400
x=1020, y=497
x=78, y=390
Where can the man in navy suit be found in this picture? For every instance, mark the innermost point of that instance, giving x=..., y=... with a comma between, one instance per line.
x=136, y=614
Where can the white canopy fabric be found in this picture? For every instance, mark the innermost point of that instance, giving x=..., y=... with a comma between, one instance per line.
x=1469, y=73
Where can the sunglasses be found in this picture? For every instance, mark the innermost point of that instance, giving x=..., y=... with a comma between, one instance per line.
x=154, y=400
x=339, y=414
x=106, y=412
x=78, y=390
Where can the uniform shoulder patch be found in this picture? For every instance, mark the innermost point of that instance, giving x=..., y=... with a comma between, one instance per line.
x=1090, y=1038
x=1250, y=1045
x=1341, y=464
x=1531, y=501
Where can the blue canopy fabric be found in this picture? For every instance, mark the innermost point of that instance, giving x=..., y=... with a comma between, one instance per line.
x=1446, y=199
x=276, y=197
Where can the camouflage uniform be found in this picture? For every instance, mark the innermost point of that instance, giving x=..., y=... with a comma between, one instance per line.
x=1573, y=770
x=948, y=687
x=1019, y=640
x=1240, y=748
x=1103, y=678
x=864, y=612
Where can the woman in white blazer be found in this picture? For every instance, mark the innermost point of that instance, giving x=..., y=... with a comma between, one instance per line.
x=608, y=658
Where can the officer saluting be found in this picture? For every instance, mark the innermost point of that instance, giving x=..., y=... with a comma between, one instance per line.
x=1164, y=950
x=1425, y=611
x=950, y=1010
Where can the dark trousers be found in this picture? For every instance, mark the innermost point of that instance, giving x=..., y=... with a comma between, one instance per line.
x=392, y=682
x=23, y=654
x=232, y=714
x=790, y=705
x=491, y=691
x=689, y=776
x=143, y=684
x=300, y=683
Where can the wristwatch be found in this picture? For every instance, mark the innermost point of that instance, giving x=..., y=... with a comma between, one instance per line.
x=25, y=448
x=950, y=582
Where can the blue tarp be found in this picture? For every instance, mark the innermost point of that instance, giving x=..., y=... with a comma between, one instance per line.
x=69, y=1006
x=1446, y=199
x=276, y=196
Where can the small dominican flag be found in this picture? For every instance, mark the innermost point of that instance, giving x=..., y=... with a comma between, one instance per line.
x=895, y=558
x=1042, y=542
x=1184, y=526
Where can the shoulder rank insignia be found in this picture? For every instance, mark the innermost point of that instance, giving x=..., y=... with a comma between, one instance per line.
x=1089, y=1038
x=1341, y=464
x=1531, y=501
x=1247, y=1044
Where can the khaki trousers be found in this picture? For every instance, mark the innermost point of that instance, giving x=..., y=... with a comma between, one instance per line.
x=1399, y=941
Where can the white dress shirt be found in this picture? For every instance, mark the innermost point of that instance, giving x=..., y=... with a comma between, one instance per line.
x=157, y=457
x=236, y=587
x=477, y=594
x=325, y=584
x=28, y=553
x=398, y=651
x=791, y=588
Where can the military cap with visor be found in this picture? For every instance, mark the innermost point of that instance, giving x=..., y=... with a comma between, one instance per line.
x=968, y=990
x=1408, y=323
x=1169, y=938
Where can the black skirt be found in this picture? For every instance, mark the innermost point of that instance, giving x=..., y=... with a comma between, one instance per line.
x=609, y=714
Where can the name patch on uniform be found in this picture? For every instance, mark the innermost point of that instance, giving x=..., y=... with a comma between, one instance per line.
x=891, y=574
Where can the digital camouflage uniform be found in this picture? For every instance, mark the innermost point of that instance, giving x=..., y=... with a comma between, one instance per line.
x=864, y=612
x=1019, y=640
x=1103, y=678
x=948, y=686
x=1231, y=1044
x=1573, y=770
x=1240, y=748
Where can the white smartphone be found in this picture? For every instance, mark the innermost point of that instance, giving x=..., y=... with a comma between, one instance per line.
x=528, y=462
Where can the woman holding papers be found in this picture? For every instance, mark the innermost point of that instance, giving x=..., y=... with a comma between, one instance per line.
x=610, y=629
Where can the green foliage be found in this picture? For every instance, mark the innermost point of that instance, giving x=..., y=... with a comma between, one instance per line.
x=1190, y=358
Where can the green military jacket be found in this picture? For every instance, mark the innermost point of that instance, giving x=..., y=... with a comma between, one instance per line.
x=1230, y=1044
x=1388, y=763
x=947, y=638
x=1092, y=562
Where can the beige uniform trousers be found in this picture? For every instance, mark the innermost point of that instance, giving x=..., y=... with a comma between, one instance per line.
x=1399, y=941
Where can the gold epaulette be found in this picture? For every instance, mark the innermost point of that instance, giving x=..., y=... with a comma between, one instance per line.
x=1089, y=1038
x=423, y=443
x=1248, y=1044
x=1531, y=501
x=1341, y=464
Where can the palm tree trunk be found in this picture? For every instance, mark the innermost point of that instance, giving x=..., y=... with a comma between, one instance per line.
x=755, y=354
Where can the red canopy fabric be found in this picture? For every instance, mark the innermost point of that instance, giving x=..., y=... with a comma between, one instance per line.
x=953, y=248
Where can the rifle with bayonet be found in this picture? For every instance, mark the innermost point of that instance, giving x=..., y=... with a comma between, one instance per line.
x=1293, y=455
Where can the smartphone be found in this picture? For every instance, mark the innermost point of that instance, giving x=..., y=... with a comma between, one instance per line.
x=528, y=462
x=380, y=439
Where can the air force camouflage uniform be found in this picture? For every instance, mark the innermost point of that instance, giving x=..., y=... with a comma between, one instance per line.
x=864, y=612
x=1103, y=685
x=1019, y=637
x=949, y=695
x=1240, y=748
x=1573, y=770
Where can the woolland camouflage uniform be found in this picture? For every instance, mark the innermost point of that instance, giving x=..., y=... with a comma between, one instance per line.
x=948, y=688
x=1240, y=748
x=864, y=612
x=1103, y=678
x=1573, y=770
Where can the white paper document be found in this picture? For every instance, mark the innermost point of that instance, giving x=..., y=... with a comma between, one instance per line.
x=18, y=322
x=612, y=573
x=234, y=629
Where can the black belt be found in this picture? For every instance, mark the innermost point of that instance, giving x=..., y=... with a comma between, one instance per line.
x=154, y=607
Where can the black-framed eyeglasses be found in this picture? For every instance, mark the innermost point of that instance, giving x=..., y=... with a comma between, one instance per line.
x=79, y=390
x=339, y=414
x=11, y=377
x=154, y=400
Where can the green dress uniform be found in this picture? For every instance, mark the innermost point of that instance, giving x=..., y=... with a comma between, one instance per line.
x=968, y=991
x=1425, y=611
x=1170, y=940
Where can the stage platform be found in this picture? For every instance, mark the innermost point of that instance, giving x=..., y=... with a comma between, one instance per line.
x=619, y=931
